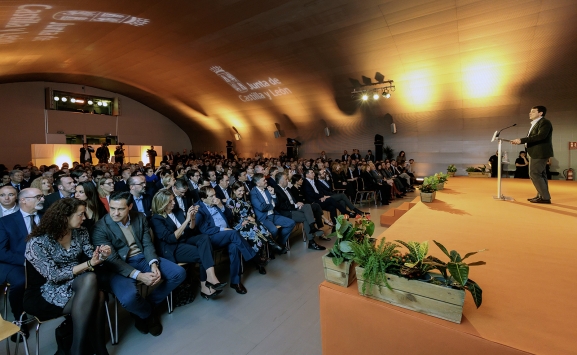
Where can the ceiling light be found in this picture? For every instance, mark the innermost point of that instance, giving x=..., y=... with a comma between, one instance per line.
x=99, y=103
x=56, y=98
x=105, y=104
x=73, y=100
x=375, y=96
x=365, y=97
x=90, y=102
x=64, y=99
x=79, y=101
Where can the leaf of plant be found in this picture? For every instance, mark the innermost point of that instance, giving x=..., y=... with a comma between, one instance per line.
x=343, y=227
x=414, y=249
x=477, y=263
x=459, y=271
x=455, y=257
x=403, y=244
x=472, y=253
x=476, y=292
x=349, y=234
x=370, y=228
x=443, y=249
x=345, y=246
x=423, y=249
x=338, y=261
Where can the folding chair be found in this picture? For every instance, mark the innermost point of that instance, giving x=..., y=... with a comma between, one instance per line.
x=365, y=193
x=7, y=329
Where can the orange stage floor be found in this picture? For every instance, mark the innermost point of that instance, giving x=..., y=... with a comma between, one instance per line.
x=529, y=283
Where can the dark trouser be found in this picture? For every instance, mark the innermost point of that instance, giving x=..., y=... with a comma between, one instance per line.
x=344, y=201
x=124, y=288
x=152, y=159
x=306, y=216
x=287, y=225
x=538, y=176
x=318, y=213
x=332, y=206
x=196, y=249
x=236, y=245
x=14, y=275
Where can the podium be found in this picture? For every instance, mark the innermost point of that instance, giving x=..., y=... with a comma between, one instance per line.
x=500, y=196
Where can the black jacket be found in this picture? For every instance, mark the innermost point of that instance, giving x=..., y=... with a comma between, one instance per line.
x=540, y=140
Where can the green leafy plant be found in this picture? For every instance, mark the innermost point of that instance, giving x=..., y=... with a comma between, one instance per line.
x=456, y=272
x=472, y=169
x=441, y=177
x=416, y=263
x=389, y=152
x=346, y=233
x=429, y=185
x=452, y=168
x=376, y=261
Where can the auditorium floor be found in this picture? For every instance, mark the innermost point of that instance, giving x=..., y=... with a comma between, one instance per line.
x=278, y=315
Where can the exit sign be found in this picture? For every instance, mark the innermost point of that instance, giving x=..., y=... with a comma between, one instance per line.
x=572, y=145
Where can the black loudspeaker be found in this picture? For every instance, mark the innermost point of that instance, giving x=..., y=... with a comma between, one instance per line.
x=290, y=149
x=379, y=142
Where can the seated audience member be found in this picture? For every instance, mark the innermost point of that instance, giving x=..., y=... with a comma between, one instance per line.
x=168, y=181
x=17, y=180
x=59, y=257
x=379, y=182
x=179, y=190
x=389, y=173
x=340, y=181
x=273, y=171
x=211, y=175
x=85, y=191
x=176, y=240
x=263, y=200
x=193, y=176
x=401, y=158
x=356, y=155
x=409, y=169
x=370, y=156
x=221, y=189
x=244, y=221
x=134, y=259
x=105, y=188
x=313, y=195
x=79, y=176
x=241, y=176
x=142, y=200
x=325, y=188
x=522, y=166
x=14, y=228
x=65, y=188
x=299, y=212
x=213, y=219
x=8, y=203
x=42, y=183
x=398, y=172
x=122, y=185
x=345, y=156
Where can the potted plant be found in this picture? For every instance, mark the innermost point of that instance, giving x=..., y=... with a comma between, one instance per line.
x=451, y=170
x=428, y=189
x=477, y=171
x=441, y=180
x=389, y=152
x=406, y=280
x=338, y=263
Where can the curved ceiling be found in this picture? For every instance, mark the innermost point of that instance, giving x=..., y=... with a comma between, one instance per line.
x=213, y=65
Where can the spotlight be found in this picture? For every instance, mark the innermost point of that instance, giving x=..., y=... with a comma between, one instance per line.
x=99, y=103
x=79, y=101
x=365, y=97
x=386, y=94
x=64, y=99
x=73, y=100
x=56, y=98
x=375, y=96
x=90, y=102
x=105, y=104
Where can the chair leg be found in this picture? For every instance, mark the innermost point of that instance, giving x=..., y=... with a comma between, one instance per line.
x=38, y=338
x=115, y=321
x=304, y=234
x=6, y=317
x=109, y=320
x=169, y=302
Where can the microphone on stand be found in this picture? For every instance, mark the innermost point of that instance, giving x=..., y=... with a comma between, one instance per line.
x=497, y=133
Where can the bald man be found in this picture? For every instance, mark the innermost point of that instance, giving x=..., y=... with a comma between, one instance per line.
x=8, y=203
x=14, y=229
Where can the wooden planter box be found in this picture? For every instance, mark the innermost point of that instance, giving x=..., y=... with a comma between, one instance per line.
x=437, y=301
x=441, y=186
x=342, y=275
x=451, y=173
x=428, y=197
x=479, y=175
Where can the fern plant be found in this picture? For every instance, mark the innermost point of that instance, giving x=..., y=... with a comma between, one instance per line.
x=376, y=261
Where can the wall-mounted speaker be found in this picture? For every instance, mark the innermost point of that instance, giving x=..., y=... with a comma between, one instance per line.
x=116, y=107
x=276, y=134
x=327, y=131
x=237, y=136
x=48, y=99
x=393, y=128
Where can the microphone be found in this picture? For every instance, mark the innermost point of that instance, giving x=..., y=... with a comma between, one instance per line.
x=499, y=132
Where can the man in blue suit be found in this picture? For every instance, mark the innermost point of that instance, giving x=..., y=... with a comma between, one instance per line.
x=263, y=199
x=213, y=219
x=14, y=229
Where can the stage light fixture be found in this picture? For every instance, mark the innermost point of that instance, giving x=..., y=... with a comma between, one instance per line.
x=56, y=98
x=365, y=97
x=73, y=100
x=375, y=96
x=64, y=99
x=90, y=102
x=99, y=103
x=79, y=101
x=105, y=104
x=386, y=94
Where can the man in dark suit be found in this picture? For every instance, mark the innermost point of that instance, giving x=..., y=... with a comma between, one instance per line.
x=241, y=176
x=65, y=187
x=539, y=143
x=299, y=212
x=356, y=155
x=134, y=259
x=142, y=201
x=313, y=195
x=8, y=199
x=221, y=189
x=86, y=153
x=370, y=156
x=122, y=185
x=17, y=180
x=213, y=219
x=326, y=189
x=14, y=230
x=345, y=156
x=102, y=153
x=151, y=156
x=181, y=200
x=263, y=200
x=192, y=180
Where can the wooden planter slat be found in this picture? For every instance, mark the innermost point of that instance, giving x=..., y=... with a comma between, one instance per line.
x=342, y=275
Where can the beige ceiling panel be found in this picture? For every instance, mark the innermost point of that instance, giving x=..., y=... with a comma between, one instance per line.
x=430, y=20
x=400, y=11
x=481, y=13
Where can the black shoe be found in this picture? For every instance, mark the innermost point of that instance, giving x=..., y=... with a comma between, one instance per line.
x=276, y=248
x=313, y=228
x=211, y=296
x=141, y=324
x=357, y=211
x=540, y=200
x=216, y=287
x=23, y=333
x=533, y=198
x=154, y=325
x=327, y=239
x=239, y=288
x=261, y=270
x=315, y=246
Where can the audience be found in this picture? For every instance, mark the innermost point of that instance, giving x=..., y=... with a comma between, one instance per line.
x=105, y=188
x=8, y=203
x=85, y=191
x=44, y=184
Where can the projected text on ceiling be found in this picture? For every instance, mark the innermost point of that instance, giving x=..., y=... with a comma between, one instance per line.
x=258, y=90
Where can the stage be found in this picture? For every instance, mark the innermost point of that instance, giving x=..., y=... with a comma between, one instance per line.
x=529, y=284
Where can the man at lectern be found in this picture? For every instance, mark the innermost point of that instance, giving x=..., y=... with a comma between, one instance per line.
x=540, y=149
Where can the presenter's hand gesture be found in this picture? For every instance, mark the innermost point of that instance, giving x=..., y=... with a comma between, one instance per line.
x=516, y=141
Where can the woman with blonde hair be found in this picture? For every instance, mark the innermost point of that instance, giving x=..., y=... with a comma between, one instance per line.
x=105, y=188
x=43, y=184
x=168, y=181
x=175, y=240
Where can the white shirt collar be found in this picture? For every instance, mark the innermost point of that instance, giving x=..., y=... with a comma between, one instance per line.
x=6, y=211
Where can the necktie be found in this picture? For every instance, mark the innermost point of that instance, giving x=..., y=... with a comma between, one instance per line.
x=32, y=222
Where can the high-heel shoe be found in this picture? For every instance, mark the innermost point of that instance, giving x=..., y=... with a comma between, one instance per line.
x=328, y=223
x=211, y=296
x=216, y=287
